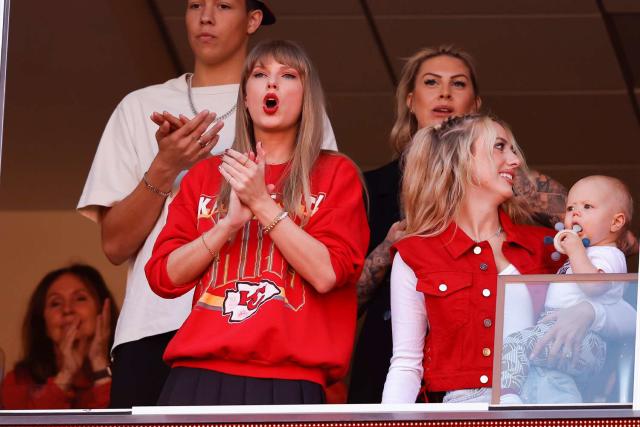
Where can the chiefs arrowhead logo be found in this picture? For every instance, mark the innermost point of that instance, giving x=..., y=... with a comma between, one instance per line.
x=243, y=302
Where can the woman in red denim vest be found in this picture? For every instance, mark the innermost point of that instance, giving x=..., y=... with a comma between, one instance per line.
x=464, y=228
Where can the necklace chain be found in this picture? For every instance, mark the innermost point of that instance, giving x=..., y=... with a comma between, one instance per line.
x=193, y=107
x=496, y=234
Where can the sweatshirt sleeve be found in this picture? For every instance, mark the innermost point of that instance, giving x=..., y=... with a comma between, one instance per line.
x=96, y=397
x=340, y=221
x=22, y=393
x=181, y=228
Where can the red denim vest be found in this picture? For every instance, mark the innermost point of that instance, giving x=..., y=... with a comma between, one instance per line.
x=459, y=284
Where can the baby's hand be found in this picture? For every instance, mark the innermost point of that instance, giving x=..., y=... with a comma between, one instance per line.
x=570, y=243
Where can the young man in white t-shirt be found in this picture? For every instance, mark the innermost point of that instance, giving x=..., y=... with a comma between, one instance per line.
x=137, y=169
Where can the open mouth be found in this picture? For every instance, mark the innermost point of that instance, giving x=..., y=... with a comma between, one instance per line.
x=507, y=175
x=443, y=110
x=270, y=103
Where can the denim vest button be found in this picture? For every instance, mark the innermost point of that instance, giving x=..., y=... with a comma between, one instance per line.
x=486, y=293
x=442, y=287
x=477, y=250
x=484, y=266
x=484, y=379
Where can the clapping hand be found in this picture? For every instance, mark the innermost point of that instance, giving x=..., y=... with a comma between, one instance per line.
x=182, y=141
x=245, y=174
x=99, y=347
x=70, y=356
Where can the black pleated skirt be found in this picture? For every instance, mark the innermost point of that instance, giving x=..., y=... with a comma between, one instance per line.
x=193, y=386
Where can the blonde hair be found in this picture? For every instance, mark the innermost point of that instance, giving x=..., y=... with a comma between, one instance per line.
x=437, y=172
x=295, y=183
x=406, y=124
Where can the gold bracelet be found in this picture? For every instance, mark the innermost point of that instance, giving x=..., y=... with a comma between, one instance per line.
x=213, y=254
x=282, y=215
x=153, y=188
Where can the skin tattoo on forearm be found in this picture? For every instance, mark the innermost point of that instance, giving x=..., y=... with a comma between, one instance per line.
x=546, y=197
x=375, y=268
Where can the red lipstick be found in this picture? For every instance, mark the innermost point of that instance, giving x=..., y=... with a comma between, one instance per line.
x=270, y=103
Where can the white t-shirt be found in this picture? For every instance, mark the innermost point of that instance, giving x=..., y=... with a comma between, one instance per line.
x=126, y=150
x=607, y=259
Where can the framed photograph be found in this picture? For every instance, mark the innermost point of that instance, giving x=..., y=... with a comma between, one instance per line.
x=565, y=340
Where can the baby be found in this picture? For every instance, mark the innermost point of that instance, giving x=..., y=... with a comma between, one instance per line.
x=602, y=208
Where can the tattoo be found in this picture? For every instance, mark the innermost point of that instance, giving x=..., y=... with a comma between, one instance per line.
x=545, y=196
x=375, y=268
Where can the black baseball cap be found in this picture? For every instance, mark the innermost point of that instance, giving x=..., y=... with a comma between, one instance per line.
x=268, y=17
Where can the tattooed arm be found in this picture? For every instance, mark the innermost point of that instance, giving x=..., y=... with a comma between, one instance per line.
x=547, y=198
x=376, y=266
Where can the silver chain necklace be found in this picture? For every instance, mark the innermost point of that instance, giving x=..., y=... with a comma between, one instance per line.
x=193, y=107
x=496, y=234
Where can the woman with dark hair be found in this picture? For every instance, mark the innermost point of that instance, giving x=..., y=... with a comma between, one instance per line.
x=67, y=333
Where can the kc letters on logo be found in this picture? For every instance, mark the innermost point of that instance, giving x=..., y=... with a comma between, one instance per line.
x=244, y=301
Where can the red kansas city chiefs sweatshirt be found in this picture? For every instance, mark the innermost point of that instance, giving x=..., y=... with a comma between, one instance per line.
x=253, y=315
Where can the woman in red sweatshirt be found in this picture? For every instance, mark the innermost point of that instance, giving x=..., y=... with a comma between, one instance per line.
x=272, y=235
x=68, y=330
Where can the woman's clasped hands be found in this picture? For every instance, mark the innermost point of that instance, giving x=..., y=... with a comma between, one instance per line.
x=72, y=352
x=245, y=173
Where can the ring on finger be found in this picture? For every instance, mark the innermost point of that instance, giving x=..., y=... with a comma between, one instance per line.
x=202, y=143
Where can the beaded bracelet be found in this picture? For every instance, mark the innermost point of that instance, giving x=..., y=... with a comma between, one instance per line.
x=213, y=254
x=282, y=215
x=153, y=188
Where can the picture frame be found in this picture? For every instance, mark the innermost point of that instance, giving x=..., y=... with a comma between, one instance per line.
x=556, y=386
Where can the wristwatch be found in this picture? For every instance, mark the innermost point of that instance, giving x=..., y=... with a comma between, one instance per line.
x=102, y=373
